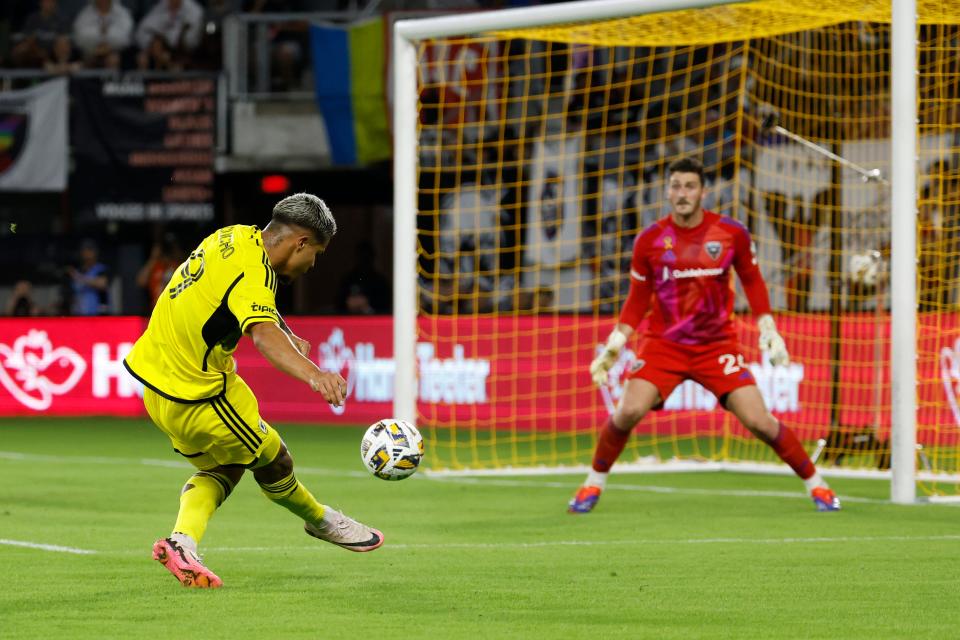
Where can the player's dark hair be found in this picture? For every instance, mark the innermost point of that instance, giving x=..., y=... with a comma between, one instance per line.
x=307, y=211
x=686, y=165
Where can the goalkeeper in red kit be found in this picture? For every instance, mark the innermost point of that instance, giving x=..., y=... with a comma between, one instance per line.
x=680, y=274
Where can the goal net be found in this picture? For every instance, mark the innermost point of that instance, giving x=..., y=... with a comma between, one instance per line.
x=541, y=153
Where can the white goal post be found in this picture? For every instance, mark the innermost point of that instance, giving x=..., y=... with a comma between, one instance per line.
x=406, y=35
x=903, y=253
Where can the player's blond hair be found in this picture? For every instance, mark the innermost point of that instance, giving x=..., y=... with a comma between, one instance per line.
x=308, y=211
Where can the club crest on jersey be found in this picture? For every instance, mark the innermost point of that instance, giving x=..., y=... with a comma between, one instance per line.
x=713, y=249
x=668, y=243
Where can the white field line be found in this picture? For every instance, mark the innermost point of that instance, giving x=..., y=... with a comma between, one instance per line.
x=528, y=545
x=604, y=543
x=650, y=465
x=45, y=547
x=740, y=493
x=532, y=483
x=525, y=545
x=152, y=462
x=39, y=457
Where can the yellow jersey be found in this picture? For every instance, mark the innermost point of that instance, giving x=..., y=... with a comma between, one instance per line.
x=226, y=285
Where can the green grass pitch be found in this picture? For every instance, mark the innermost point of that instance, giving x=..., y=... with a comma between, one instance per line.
x=663, y=556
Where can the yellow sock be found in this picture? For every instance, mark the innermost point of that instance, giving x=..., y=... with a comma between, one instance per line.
x=203, y=493
x=292, y=495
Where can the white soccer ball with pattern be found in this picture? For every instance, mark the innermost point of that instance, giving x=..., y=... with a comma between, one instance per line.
x=391, y=449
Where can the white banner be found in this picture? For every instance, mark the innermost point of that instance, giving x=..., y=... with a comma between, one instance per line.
x=555, y=198
x=33, y=138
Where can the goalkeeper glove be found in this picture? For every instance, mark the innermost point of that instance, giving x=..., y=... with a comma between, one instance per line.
x=600, y=366
x=771, y=342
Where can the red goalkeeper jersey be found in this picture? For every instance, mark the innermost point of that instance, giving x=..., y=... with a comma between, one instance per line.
x=683, y=277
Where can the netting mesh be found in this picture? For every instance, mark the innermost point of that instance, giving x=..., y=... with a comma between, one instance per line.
x=938, y=248
x=542, y=154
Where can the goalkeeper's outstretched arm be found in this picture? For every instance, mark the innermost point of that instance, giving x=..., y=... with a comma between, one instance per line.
x=755, y=288
x=633, y=311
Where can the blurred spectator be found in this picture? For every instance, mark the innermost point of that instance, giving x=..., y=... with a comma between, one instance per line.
x=470, y=237
x=165, y=257
x=438, y=294
x=90, y=282
x=364, y=290
x=216, y=11
x=718, y=141
x=168, y=33
x=209, y=52
x=102, y=30
x=930, y=239
x=536, y=300
x=800, y=253
x=158, y=57
x=611, y=248
x=289, y=42
x=21, y=302
x=65, y=58
x=40, y=32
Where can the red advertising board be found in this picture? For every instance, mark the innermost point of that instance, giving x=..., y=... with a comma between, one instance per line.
x=68, y=366
x=523, y=373
x=359, y=348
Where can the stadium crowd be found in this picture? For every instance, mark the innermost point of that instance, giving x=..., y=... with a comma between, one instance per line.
x=542, y=234
x=163, y=35
x=67, y=35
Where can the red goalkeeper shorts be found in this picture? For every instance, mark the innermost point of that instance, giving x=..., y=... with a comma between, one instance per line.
x=718, y=366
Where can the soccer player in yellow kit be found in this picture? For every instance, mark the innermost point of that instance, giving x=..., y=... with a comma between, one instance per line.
x=192, y=392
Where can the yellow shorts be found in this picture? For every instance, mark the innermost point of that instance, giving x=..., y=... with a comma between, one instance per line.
x=227, y=430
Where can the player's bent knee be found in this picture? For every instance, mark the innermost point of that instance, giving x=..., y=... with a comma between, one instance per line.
x=280, y=467
x=626, y=420
x=639, y=397
x=233, y=473
x=629, y=414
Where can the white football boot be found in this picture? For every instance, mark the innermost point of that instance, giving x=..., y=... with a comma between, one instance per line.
x=344, y=531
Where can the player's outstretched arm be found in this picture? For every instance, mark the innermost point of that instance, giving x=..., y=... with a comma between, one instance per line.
x=634, y=309
x=303, y=346
x=745, y=262
x=279, y=350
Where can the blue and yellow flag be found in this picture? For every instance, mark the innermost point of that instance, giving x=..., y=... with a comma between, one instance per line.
x=349, y=67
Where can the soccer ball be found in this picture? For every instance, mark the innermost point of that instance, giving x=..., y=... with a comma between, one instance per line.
x=391, y=449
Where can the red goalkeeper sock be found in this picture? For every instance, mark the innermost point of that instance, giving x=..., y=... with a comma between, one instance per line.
x=788, y=447
x=609, y=447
